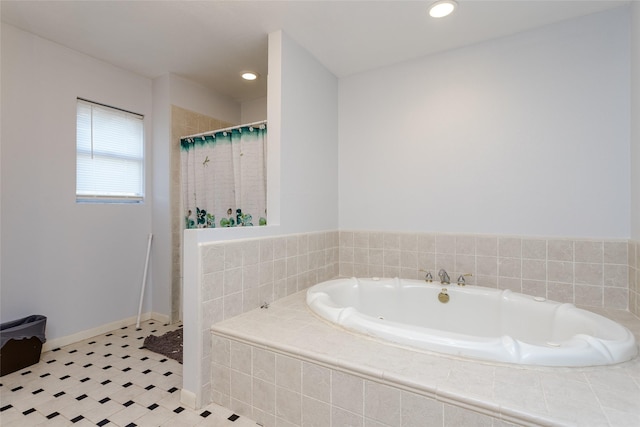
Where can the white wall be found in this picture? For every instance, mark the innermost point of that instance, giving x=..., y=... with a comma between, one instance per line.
x=254, y=110
x=308, y=141
x=195, y=97
x=635, y=121
x=80, y=265
x=161, y=261
x=527, y=134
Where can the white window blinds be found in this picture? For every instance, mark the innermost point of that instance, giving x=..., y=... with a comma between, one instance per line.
x=110, y=154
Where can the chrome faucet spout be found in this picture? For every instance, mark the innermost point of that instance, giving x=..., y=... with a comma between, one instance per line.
x=444, y=277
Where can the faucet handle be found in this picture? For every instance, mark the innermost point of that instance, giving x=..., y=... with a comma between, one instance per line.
x=461, y=281
x=428, y=278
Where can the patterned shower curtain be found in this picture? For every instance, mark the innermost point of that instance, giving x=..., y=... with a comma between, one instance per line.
x=224, y=178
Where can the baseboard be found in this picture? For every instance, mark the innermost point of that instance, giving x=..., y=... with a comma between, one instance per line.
x=189, y=398
x=83, y=335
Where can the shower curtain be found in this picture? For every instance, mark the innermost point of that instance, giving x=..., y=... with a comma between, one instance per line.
x=224, y=177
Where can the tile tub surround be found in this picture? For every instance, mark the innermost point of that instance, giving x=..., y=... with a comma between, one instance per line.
x=241, y=275
x=285, y=366
x=591, y=273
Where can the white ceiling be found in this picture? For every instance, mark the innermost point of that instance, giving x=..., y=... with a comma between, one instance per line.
x=211, y=42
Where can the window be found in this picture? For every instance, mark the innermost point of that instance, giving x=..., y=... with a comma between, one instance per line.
x=110, y=154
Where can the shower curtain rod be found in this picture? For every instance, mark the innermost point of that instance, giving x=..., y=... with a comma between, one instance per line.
x=211, y=132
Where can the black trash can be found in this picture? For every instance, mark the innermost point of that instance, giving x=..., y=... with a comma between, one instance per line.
x=21, y=343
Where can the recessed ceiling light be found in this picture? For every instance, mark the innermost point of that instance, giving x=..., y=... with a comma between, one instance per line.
x=442, y=8
x=249, y=75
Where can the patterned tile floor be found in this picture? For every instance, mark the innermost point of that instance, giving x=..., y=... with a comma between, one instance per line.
x=108, y=380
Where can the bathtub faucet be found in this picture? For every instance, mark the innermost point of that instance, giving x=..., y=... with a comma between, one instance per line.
x=444, y=277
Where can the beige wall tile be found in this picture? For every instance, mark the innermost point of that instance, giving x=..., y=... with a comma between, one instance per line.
x=220, y=379
x=562, y=292
x=292, y=246
x=558, y=271
x=303, y=244
x=361, y=255
x=616, y=276
x=382, y=403
x=347, y=392
x=615, y=252
x=315, y=413
x=250, y=277
x=213, y=259
x=408, y=242
x=510, y=247
x=279, y=248
x=346, y=239
x=427, y=243
x=264, y=396
x=316, y=382
x=346, y=254
x=391, y=258
x=487, y=265
x=409, y=260
x=391, y=241
x=534, y=249
x=510, y=267
x=465, y=245
x=513, y=284
x=240, y=386
x=361, y=270
x=376, y=257
x=487, y=281
x=289, y=373
x=389, y=271
x=465, y=264
x=591, y=296
x=616, y=298
x=560, y=250
x=221, y=350
x=487, y=246
x=534, y=269
x=232, y=281
x=534, y=287
x=232, y=255
x=288, y=405
x=361, y=239
x=213, y=312
x=589, y=274
x=266, y=272
x=589, y=251
x=212, y=285
x=446, y=261
x=445, y=244
x=341, y=417
x=427, y=262
x=266, y=250
x=376, y=240
x=264, y=365
x=419, y=411
x=456, y=416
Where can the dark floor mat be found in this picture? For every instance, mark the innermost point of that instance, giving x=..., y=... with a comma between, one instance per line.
x=169, y=344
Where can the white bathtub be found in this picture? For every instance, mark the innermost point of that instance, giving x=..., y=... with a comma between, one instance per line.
x=477, y=322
